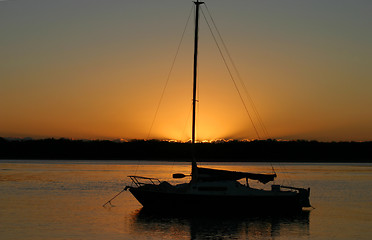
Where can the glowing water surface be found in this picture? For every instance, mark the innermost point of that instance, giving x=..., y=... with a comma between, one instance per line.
x=63, y=200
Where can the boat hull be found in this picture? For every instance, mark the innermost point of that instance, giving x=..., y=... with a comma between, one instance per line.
x=182, y=202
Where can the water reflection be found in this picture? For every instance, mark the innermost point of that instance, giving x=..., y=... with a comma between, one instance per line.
x=219, y=227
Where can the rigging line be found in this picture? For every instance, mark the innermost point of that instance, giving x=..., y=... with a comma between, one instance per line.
x=169, y=74
x=262, y=125
x=231, y=76
x=264, y=129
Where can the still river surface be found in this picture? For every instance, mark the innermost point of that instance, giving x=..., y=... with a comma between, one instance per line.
x=63, y=200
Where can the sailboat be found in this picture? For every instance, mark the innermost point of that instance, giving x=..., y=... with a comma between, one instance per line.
x=216, y=190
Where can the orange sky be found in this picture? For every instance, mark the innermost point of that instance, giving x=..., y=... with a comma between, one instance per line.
x=96, y=69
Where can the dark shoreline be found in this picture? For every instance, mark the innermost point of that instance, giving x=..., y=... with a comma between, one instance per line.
x=141, y=161
x=155, y=150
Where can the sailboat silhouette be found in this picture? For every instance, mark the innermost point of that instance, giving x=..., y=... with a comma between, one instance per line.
x=212, y=189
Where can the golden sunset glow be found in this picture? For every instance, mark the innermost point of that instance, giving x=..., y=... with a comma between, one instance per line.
x=97, y=70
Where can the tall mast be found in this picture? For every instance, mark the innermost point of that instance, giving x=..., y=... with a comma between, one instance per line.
x=194, y=168
x=197, y=3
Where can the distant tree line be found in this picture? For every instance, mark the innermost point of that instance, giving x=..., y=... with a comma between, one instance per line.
x=259, y=150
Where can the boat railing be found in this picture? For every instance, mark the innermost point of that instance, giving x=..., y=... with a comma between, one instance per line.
x=137, y=180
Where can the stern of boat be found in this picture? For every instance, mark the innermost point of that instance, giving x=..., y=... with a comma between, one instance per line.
x=303, y=194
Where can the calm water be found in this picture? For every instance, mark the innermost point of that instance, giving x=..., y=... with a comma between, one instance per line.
x=63, y=200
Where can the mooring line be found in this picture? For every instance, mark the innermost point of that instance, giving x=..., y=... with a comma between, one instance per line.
x=109, y=201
